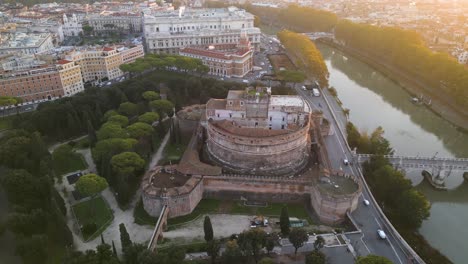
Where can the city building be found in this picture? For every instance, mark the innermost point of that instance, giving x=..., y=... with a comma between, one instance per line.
x=72, y=27
x=35, y=84
x=102, y=64
x=118, y=22
x=70, y=76
x=230, y=60
x=25, y=43
x=169, y=31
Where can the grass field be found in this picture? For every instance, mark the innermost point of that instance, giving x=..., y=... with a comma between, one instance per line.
x=173, y=152
x=72, y=162
x=210, y=206
x=206, y=206
x=95, y=211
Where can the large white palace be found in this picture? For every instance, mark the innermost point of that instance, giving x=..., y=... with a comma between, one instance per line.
x=169, y=31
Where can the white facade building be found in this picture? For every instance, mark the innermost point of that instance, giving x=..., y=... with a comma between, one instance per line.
x=120, y=22
x=167, y=32
x=71, y=26
x=30, y=43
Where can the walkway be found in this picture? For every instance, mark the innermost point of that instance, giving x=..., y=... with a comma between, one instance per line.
x=138, y=233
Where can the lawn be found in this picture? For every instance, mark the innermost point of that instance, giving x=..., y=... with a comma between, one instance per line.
x=92, y=211
x=141, y=216
x=209, y=206
x=206, y=206
x=272, y=209
x=173, y=152
x=69, y=163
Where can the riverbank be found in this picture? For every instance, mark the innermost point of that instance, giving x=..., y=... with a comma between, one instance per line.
x=439, y=106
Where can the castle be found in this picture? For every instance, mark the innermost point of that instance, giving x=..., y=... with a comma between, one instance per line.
x=253, y=145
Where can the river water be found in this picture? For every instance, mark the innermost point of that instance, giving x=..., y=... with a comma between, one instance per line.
x=375, y=100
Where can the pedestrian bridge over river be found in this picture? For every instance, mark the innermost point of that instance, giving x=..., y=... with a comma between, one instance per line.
x=417, y=162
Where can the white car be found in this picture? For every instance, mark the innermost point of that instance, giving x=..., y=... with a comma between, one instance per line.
x=381, y=234
x=345, y=161
x=366, y=202
x=303, y=88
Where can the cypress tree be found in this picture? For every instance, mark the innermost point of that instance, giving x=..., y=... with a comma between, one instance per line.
x=102, y=239
x=208, y=228
x=284, y=221
x=91, y=134
x=113, y=248
x=124, y=237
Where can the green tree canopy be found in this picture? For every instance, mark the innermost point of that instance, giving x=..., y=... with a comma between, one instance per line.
x=112, y=146
x=373, y=259
x=91, y=184
x=297, y=237
x=128, y=109
x=108, y=114
x=251, y=242
x=315, y=257
x=148, y=117
x=163, y=107
x=139, y=130
x=111, y=130
x=8, y=100
x=119, y=119
x=127, y=163
x=151, y=96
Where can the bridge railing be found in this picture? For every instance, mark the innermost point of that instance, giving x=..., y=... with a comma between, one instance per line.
x=154, y=238
x=415, y=158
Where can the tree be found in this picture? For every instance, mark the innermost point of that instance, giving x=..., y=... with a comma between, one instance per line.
x=162, y=107
x=111, y=130
x=91, y=184
x=112, y=146
x=114, y=251
x=373, y=259
x=315, y=257
x=124, y=237
x=139, y=130
x=108, y=114
x=148, y=117
x=128, y=109
x=319, y=242
x=92, y=137
x=284, y=221
x=297, y=237
x=212, y=248
x=33, y=249
x=119, y=119
x=87, y=29
x=251, y=242
x=411, y=209
x=150, y=96
x=232, y=253
x=291, y=76
x=208, y=229
x=270, y=242
x=127, y=163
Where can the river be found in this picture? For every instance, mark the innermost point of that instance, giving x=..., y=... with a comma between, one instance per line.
x=375, y=100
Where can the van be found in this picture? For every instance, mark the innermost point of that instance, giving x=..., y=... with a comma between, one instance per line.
x=316, y=92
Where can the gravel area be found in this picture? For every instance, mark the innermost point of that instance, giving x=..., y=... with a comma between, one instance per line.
x=223, y=226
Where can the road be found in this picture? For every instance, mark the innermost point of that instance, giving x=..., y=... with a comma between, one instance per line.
x=367, y=218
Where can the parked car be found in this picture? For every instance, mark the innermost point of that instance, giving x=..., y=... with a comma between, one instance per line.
x=381, y=234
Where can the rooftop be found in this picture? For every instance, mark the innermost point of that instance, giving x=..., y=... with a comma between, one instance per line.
x=254, y=132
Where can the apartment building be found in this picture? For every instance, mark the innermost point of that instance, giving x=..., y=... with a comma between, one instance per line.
x=70, y=76
x=170, y=31
x=229, y=60
x=25, y=43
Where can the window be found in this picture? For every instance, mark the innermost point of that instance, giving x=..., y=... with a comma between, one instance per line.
x=242, y=103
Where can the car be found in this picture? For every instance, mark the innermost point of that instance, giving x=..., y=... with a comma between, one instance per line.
x=381, y=234
x=262, y=63
x=366, y=202
x=245, y=81
x=108, y=83
x=303, y=87
x=345, y=161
